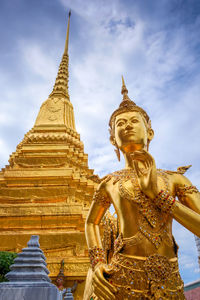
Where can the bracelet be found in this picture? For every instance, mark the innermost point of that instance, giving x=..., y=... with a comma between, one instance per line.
x=97, y=255
x=165, y=202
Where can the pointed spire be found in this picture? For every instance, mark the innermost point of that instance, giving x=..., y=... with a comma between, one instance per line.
x=124, y=91
x=67, y=37
x=61, y=83
x=123, y=83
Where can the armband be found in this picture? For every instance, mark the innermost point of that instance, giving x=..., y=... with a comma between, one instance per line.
x=101, y=199
x=182, y=190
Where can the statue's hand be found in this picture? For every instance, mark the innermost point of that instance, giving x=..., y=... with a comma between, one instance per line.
x=102, y=288
x=146, y=171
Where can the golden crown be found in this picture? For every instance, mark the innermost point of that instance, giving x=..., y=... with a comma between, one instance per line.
x=128, y=105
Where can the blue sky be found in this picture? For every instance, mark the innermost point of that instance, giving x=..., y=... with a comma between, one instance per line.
x=154, y=44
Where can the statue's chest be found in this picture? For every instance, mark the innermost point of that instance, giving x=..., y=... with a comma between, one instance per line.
x=152, y=223
x=125, y=183
x=130, y=191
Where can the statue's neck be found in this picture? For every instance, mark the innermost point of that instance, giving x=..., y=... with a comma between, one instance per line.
x=129, y=161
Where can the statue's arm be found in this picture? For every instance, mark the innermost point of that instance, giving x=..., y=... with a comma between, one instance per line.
x=100, y=204
x=187, y=210
x=187, y=193
x=102, y=288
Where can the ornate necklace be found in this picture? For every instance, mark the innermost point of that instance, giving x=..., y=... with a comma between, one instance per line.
x=150, y=215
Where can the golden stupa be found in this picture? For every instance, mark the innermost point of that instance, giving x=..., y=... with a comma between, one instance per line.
x=46, y=188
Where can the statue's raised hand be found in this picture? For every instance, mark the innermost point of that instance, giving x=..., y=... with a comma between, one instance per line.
x=102, y=288
x=145, y=168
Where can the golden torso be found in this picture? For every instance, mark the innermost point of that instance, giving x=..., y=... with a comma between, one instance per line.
x=130, y=216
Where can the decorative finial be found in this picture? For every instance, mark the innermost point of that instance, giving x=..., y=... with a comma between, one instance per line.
x=123, y=83
x=34, y=241
x=124, y=91
x=67, y=37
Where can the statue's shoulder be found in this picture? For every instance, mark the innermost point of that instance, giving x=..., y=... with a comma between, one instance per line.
x=124, y=174
x=180, y=170
x=177, y=178
x=106, y=178
x=114, y=175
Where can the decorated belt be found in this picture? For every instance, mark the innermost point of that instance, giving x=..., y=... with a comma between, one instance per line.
x=157, y=267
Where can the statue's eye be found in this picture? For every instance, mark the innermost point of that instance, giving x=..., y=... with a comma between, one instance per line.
x=134, y=121
x=121, y=123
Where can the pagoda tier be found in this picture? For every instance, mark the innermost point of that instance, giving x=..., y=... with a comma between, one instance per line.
x=46, y=189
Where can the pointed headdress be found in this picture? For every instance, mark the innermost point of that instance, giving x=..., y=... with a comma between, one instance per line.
x=127, y=105
x=61, y=271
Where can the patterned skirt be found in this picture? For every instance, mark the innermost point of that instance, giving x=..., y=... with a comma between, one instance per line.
x=154, y=277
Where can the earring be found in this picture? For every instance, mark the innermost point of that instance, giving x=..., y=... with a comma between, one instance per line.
x=117, y=153
x=148, y=142
x=116, y=148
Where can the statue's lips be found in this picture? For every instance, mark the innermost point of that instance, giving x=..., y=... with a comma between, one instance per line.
x=127, y=133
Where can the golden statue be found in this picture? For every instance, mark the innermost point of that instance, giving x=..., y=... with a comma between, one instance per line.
x=143, y=264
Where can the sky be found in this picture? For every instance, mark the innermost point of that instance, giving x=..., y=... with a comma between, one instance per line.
x=154, y=44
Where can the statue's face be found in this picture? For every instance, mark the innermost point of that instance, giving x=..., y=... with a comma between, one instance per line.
x=130, y=131
x=59, y=281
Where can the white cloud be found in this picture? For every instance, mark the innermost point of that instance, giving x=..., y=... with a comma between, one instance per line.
x=4, y=151
x=38, y=60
